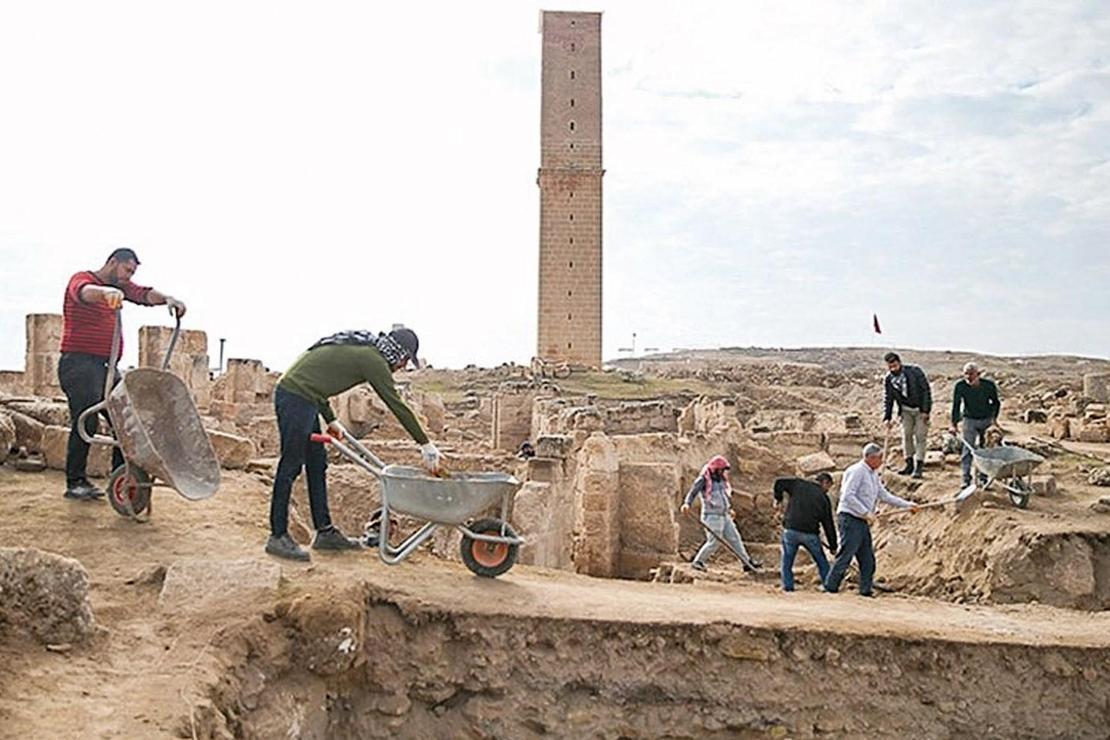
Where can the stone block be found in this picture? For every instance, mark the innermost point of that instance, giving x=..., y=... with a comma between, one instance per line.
x=639, y=564
x=54, y=442
x=1035, y=416
x=1096, y=386
x=233, y=451
x=648, y=493
x=1092, y=432
x=555, y=445
x=1045, y=486
x=264, y=432
x=544, y=516
x=846, y=448
x=545, y=469
x=7, y=435
x=512, y=419
x=47, y=412
x=1059, y=427
x=28, y=431
x=46, y=595
x=791, y=443
x=13, y=382
x=934, y=458
x=816, y=462
x=196, y=585
x=1094, y=411
x=33, y=464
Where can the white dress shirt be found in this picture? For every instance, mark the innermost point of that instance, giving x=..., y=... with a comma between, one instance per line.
x=861, y=490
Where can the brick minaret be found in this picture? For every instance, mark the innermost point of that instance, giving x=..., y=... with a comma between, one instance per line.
x=570, y=189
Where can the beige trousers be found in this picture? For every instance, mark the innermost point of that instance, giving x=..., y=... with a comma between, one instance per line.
x=915, y=433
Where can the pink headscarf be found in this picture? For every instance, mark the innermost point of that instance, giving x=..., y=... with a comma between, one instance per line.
x=717, y=464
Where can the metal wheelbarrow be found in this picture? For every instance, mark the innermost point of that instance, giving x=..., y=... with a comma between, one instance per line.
x=159, y=432
x=1010, y=465
x=489, y=546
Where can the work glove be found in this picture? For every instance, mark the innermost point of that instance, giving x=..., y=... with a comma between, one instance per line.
x=431, y=457
x=335, y=429
x=113, y=298
x=176, y=307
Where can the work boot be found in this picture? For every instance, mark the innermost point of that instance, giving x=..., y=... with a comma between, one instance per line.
x=285, y=547
x=332, y=539
x=919, y=469
x=82, y=490
x=908, y=468
x=699, y=566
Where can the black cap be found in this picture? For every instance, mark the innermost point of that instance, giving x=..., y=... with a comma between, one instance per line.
x=124, y=254
x=409, y=342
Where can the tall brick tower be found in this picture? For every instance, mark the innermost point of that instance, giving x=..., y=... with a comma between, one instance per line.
x=570, y=189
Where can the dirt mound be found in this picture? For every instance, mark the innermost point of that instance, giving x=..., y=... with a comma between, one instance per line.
x=986, y=555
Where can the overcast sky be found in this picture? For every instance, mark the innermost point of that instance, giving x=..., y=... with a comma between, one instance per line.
x=776, y=172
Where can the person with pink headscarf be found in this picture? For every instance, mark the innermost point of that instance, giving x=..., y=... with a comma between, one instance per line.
x=713, y=490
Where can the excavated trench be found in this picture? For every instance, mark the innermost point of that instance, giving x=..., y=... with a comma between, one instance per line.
x=369, y=664
x=983, y=557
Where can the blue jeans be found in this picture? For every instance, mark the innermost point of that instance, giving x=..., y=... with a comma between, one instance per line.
x=297, y=418
x=725, y=528
x=855, y=542
x=792, y=539
x=975, y=434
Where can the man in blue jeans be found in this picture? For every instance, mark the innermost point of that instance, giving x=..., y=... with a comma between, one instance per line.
x=860, y=492
x=807, y=510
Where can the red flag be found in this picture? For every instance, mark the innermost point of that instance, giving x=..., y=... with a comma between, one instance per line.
x=875, y=320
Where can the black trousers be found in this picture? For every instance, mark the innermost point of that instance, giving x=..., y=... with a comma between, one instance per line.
x=298, y=419
x=82, y=379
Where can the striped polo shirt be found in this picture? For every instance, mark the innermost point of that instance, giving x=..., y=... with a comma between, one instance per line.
x=87, y=327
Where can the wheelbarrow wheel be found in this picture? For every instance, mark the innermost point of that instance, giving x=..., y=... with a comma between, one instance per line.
x=488, y=559
x=129, y=484
x=1019, y=492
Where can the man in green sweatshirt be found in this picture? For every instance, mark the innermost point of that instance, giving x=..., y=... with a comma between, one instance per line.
x=975, y=400
x=329, y=367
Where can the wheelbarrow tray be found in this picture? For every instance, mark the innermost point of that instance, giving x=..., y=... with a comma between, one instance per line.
x=1005, y=462
x=160, y=431
x=453, y=500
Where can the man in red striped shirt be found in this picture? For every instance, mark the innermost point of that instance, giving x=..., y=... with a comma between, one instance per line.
x=88, y=323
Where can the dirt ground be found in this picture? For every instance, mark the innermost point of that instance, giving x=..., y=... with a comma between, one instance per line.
x=155, y=672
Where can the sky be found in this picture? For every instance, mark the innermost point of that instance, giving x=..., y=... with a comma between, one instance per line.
x=776, y=172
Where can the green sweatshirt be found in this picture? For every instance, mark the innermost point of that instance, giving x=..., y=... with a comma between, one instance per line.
x=979, y=401
x=327, y=371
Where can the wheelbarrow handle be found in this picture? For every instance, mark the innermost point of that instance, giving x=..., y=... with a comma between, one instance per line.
x=173, y=341
x=356, y=452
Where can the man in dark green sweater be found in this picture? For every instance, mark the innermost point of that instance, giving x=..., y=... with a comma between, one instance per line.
x=975, y=400
x=333, y=365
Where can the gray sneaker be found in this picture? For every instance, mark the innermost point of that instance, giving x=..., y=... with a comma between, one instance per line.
x=333, y=539
x=82, y=490
x=285, y=547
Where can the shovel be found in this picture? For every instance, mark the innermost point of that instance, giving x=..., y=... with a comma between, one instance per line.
x=958, y=499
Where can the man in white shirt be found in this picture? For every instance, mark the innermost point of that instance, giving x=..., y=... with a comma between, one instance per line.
x=860, y=492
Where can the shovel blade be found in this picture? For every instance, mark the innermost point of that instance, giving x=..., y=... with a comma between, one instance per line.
x=966, y=492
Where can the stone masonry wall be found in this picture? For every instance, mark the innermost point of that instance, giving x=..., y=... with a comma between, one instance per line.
x=189, y=360
x=570, y=189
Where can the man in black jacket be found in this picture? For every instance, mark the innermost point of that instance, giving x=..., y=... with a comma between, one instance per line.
x=907, y=386
x=807, y=510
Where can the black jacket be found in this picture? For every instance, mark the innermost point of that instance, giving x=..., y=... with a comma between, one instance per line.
x=918, y=394
x=809, y=508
